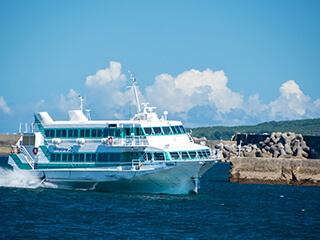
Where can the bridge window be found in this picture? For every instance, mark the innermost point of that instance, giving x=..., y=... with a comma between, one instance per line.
x=173, y=130
x=182, y=130
x=157, y=130
x=148, y=131
x=177, y=129
x=167, y=130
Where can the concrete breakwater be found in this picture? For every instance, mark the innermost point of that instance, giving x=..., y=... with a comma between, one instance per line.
x=275, y=171
x=6, y=143
x=278, y=158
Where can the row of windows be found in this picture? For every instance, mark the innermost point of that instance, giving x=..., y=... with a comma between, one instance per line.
x=85, y=157
x=114, y=157
x=114, y=132
x=190, y=154
x=158, y=156
x=94, y=133
x=164, y=130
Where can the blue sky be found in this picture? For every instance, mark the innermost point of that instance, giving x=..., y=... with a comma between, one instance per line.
x=206, y=62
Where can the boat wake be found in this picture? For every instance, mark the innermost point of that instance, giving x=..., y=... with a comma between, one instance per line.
x=21, y=179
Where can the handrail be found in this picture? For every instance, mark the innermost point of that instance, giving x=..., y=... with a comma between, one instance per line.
x=190, y=138
x=30, y=160
x=136, y=163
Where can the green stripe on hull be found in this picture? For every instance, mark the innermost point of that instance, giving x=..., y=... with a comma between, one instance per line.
x=20, y=164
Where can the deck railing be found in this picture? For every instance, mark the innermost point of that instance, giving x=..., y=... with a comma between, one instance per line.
x=24, y=151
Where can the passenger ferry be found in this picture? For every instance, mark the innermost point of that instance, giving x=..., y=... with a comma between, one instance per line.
x=145, y=154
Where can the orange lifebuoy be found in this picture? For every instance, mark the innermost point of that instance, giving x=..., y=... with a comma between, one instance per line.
x=35, y=151
x=110, y=140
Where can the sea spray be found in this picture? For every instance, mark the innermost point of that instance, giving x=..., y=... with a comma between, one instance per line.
x=21, y=179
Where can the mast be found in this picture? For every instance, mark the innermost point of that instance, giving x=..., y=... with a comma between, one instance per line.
x=81, y=103
x=134, y=81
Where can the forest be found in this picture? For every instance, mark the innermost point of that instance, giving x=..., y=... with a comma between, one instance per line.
x=306, y=127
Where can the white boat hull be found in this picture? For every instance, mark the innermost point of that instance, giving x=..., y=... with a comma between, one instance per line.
x=161, y=177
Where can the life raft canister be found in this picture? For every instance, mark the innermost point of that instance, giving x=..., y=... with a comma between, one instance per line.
x=15, y=150
x=110, y=140
x=35, y=151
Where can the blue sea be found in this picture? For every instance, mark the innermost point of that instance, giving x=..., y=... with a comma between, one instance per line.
x=221, y=210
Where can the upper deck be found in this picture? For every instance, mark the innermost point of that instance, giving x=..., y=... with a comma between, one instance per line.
x=144, y=129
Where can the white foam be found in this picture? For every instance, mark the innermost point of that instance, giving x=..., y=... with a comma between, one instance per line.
x=21, y=179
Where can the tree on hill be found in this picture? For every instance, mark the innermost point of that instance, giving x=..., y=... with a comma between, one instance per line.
x=307, y=127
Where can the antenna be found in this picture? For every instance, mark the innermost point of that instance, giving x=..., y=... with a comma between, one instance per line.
x=81, y=103
x=88, y=114
x=134, y=81
x=165, y=113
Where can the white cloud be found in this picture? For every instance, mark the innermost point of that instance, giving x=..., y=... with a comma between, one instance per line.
x=291, y=104
x=204, y=96
x=70, y=102
x=193, y=88
x=254, y=107
x=104, y=77
x=3, y=106
x=197, y=98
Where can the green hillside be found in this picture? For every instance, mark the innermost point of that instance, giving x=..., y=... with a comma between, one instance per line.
x=309, y=127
